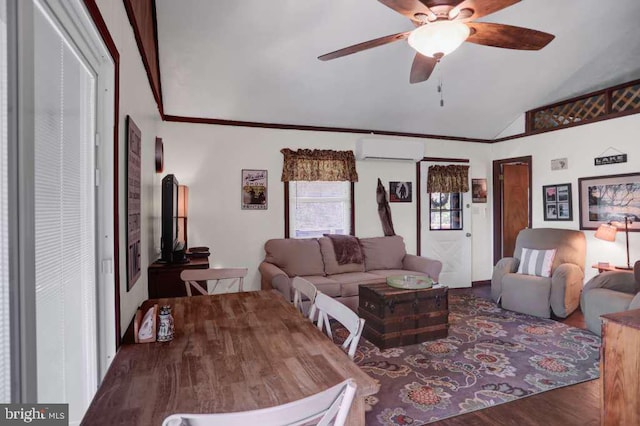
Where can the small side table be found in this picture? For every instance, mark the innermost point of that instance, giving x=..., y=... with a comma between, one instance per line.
x=602, y=269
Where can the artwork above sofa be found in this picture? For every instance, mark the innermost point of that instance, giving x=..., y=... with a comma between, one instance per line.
x=315, y=260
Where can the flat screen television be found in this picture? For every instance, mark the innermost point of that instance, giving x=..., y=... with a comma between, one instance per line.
x=172, y=249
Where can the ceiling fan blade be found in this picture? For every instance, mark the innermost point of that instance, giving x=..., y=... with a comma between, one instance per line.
x=481, y=8
x=507, y=36
x=364, y=46
x=422, y=68
x=409, y=8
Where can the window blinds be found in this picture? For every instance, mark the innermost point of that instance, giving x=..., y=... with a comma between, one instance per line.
x=64, y=221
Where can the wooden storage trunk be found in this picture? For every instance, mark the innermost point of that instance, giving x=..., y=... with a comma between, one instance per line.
x=395, y=317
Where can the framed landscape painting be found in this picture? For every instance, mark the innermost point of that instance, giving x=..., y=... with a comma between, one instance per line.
x=609, y=198
x=556, y=200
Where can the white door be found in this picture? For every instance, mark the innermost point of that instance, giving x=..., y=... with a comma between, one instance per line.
x=70, y=110
x=451, y=246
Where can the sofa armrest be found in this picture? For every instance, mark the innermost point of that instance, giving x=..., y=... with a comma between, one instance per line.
x=273, y=277
x=566, y=285
x=431, y=267
x=506, y=265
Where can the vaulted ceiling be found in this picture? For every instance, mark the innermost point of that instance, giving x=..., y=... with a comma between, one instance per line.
x=256, y=61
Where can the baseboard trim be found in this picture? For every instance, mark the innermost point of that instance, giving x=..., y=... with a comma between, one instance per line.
x=480, y=283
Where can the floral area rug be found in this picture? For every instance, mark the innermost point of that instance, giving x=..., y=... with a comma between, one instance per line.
x=490, y=356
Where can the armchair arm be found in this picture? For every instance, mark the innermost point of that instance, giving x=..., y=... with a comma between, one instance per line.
x=431, y=267
x=566, y=285
x=506, y=265
x=623, y=282
x=275, y=278
x=613, y=280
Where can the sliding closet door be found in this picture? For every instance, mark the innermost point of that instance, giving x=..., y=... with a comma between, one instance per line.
x=65, y=224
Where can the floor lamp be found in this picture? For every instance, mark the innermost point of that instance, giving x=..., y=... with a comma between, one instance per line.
x=607, y=232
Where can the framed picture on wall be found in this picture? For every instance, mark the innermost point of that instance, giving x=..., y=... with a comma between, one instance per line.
x=556, y=200
x=400, y=192
x=254, y=189
x=134, y=164
x=609, y=198
x=479, y=190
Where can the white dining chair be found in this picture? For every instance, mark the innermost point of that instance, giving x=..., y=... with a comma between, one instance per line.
x=320, y=409
x=331, y=308
x=304, y=287
x=192, y=276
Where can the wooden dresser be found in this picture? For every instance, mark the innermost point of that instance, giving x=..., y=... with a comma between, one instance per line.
x=620, y=368
x=395, y=317
x=164, y=278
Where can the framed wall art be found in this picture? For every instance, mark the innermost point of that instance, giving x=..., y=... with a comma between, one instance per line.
x=134, y=163
x=556, y=200
x=400, y=192
x=479, y=190
x=609, y=198
x=254, y=189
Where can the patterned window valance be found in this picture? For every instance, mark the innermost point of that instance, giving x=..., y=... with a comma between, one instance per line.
x=318, y=164
x=448, y=179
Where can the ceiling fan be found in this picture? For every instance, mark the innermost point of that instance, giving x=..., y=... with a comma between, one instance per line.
x=443, y=25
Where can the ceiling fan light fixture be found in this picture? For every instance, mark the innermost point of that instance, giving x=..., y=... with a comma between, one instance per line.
x=438, y=38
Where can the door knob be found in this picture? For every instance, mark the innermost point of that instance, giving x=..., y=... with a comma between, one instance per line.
x=468, y=234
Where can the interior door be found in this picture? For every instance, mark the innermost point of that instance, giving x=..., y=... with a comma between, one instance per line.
x=515, y=210
x=451, y=247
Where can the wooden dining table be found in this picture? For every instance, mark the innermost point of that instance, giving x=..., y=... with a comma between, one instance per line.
x=231, y=352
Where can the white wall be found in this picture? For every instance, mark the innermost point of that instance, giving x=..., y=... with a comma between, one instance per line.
x=209, y=159
x=136, y=100
x=580, y=145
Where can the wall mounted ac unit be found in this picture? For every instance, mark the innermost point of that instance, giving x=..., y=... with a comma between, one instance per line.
x=389, y=149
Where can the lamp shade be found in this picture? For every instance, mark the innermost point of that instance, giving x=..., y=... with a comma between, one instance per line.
x=606, y=232
x=183, y=200
x=438, y=38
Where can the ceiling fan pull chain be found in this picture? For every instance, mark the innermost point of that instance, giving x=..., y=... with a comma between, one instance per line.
x=440, y=89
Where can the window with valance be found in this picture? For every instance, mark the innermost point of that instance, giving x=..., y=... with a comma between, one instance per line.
x=453, y=178
x=319, y=195
x=445, y=185
x=318, y=165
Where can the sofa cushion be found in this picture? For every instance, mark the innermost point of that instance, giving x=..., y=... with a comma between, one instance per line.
x=351, y=280
x=331, y=265
x=324, y=284
x=383, y=252
x=296, y=257
x=527, y=294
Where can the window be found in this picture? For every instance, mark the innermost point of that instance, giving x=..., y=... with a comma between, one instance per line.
x=320, y=207
x=445, y=211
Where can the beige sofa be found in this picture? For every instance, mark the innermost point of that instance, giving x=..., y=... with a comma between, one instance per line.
x=314, y=259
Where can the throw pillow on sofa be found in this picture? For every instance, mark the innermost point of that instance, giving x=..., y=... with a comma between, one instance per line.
x=331, y=265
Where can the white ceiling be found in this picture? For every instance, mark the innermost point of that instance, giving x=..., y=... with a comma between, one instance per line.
x=256, y=60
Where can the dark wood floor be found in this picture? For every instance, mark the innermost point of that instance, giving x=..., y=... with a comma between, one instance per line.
x=572, y=405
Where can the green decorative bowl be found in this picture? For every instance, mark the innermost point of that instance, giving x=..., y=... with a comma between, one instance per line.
x=409, y=282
